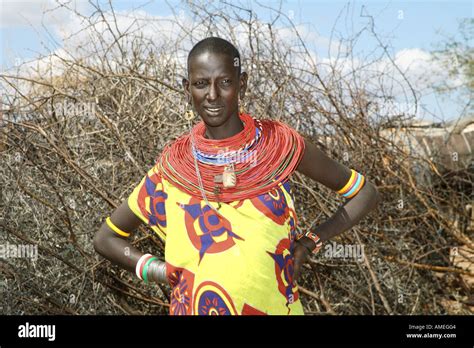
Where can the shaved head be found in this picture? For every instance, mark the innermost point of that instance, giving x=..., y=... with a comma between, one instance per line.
x=216, y=45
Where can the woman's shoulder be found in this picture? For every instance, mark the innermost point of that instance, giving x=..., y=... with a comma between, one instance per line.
x=277, y=125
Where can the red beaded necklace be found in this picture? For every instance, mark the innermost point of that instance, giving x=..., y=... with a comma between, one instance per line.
x=259, y=157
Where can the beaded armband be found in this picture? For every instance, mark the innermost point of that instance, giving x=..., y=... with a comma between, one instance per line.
x=116, y=229
x=353, y=186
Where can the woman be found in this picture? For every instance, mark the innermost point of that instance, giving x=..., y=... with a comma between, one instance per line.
x=220, y=199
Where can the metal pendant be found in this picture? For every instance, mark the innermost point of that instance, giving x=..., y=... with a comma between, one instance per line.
x=229, y=178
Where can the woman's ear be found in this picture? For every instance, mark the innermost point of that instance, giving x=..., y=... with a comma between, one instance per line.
x=187, y=93
x=243, y=84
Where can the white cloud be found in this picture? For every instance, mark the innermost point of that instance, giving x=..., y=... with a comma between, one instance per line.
x=412, y=58
x=36, y=12
x=417, y=65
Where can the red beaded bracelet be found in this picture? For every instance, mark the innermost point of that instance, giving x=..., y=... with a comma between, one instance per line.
x=314, y=237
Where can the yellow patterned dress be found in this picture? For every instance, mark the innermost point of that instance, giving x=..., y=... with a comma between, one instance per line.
x=242, y=265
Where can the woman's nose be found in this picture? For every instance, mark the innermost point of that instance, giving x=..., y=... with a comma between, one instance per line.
x=213, y=92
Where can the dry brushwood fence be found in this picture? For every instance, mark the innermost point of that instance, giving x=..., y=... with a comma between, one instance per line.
x=80, y=130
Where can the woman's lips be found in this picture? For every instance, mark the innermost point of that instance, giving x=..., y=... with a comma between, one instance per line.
x=214, y=111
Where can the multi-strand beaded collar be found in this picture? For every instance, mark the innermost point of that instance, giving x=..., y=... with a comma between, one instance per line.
x=248, y=164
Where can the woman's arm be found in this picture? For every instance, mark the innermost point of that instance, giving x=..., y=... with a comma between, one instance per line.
x=321, y=168
x=117, y=248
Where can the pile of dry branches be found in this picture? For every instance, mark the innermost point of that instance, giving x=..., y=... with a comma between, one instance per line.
x=81, y=131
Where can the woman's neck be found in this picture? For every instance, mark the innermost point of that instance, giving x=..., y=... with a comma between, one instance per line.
x=234, y=126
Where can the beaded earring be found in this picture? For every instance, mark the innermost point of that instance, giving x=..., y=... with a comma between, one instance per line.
x=189, y=113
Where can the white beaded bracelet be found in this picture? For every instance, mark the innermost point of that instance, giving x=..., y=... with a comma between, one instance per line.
x=139, y=264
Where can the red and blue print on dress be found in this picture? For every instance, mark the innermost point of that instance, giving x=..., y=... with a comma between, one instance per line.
x=153, y=188
x=208, y=237
x=212, y=299
x=273, y=205
x=181, y=281
x=284, y=271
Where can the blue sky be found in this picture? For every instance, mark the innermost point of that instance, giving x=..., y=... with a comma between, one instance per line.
x=401, y=24
x=416, y=26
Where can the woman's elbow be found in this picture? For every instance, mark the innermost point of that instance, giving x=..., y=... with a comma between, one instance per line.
x=99, y=241
x=371, y=195
x=377, y=196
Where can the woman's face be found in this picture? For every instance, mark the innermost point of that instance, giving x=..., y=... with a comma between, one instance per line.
x=214, y=87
